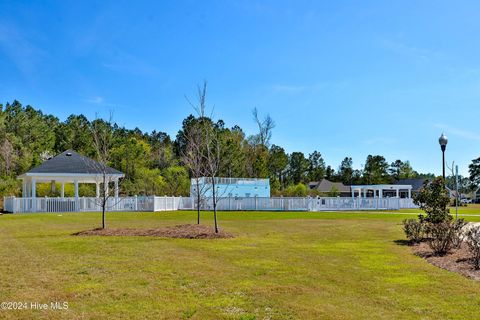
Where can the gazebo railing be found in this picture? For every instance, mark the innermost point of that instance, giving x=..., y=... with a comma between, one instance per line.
x=70, y=204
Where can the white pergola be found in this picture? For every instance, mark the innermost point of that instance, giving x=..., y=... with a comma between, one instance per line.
x=378, y=190
x=69, y=167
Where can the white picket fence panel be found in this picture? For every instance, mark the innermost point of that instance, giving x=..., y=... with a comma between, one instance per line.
x=21, y=205
x=306, y=204
x=154, y=203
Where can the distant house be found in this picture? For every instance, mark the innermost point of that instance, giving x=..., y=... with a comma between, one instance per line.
x=326, y=187
x=477, y=196
x=232, y=187
x=453, y=195
x=416, y=184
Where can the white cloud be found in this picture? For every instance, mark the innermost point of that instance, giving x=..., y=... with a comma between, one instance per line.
x=459, y=132
x=379, y=140
x=294, y=89
x=16, y=46
x=287, y=88
x=102, y=102
x=95, y=100
x=124, y=62
x=422, y=54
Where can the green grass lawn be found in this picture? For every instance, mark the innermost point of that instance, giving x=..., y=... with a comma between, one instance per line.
x=285, y=265
x=469, y=209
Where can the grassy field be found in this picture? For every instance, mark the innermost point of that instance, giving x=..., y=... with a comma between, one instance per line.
x=290, y=265
x=470, y=209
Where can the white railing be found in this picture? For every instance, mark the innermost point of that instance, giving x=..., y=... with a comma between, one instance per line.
x=154, y=203
x=8, y=204
x=407, y=203
x=257, y=203
x=21, y=205
x=307, y=204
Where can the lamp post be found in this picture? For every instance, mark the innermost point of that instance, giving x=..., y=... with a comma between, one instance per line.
x=443, y=140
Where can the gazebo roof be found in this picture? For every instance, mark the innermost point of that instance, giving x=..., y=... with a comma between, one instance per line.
x=71, y=163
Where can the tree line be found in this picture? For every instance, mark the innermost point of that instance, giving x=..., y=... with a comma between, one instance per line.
x=155, y=163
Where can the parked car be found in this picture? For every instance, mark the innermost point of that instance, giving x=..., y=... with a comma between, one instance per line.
x=465, y=201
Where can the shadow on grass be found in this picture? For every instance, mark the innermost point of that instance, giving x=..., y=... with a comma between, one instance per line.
x=402, y=242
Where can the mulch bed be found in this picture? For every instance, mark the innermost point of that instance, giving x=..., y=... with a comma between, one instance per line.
x=185, y=231
x=458, y=260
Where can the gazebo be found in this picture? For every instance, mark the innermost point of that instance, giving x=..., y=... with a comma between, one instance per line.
x=378, y=190
x=69, y=167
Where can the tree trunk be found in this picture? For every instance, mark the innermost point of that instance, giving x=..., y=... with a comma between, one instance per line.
x=103, y=217
x=199, y=198
x=214, y=205
x=198, y=207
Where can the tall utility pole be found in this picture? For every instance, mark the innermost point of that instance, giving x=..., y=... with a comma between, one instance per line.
x=456, y=188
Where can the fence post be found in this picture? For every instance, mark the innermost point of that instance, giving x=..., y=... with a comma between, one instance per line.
x=165, y=200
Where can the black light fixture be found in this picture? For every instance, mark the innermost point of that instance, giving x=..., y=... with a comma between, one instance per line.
x=443, y=140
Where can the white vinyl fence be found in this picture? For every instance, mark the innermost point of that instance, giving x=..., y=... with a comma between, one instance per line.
x=309, y=204
x=154, y=203
x=20, y=205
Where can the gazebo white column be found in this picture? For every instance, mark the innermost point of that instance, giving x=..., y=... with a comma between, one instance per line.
x=116, y=188
x=97, y=189
x=409, y=193
x=34, y=195
x=24, y=189
x=62, y=190
x=75, y=182
x=34, y=188
x=398, y=193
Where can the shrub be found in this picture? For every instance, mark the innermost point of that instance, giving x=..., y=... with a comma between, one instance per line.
x=297, y=190
x=433, y=198
x=413, y=230
x=334, y=192
x=457, y=226
x=472, y=238
x=440, y=236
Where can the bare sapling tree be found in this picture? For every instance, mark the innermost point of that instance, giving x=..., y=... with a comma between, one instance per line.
x=102, y=134
x=209, y=147
x=193, y=155
x=213, y=160
x=7, y=153
x=265, y=128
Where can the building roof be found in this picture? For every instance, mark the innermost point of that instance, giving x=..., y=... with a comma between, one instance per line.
x=416, y=184
x=326, y=186
x=70, y=162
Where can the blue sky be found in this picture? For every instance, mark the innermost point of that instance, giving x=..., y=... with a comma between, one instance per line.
x=347, y=78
